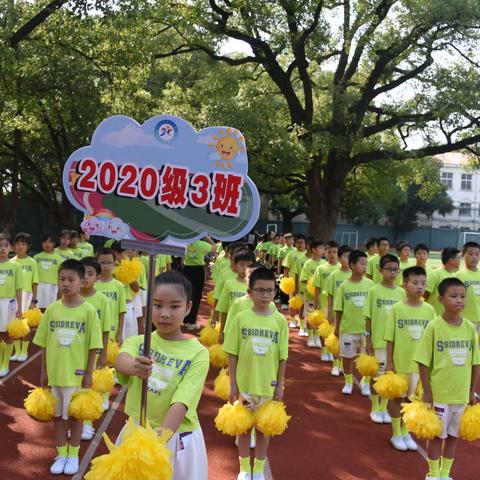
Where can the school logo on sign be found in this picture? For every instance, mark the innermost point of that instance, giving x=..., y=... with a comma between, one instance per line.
x=162, y=180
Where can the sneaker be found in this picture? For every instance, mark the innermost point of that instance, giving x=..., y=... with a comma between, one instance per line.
x=106, y=405
x=244, y=476
x=4, y=372
x=71, y=467
x=58, y=465
x=21, y=358
x=347, y=389
x=365, y=389
x=409, y=442
x=335, y=372
x=398, y=443
x=304, y=333
x=258, y=476
x=330, y=357
x=318, y=342
x=284, y=306
x=14, y=358
x=292, y=325
x=324, y=357
x=386, y=417
x=376, y=417
x=311, y=342
x=88, y=432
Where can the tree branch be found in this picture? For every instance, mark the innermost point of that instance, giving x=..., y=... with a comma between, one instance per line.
x=395, y=121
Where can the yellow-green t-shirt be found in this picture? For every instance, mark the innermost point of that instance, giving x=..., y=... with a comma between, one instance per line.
x=68, y=335
x=86, y=249
x=142, y=280
x=30, y=272
x=350, y=300
x=334, y=280
x=48, y=264
x=114, y=291
x=11, y=279
x=283, y=252
x=449, y=351
x=293, y=260
x=433, y=281
x=233, y=289
x=102, y=306
x=66, y=254
x=403, y=266
x=405, y=327
x=373, y=266
x=260, y=342
x=320, y=279
x=179, y=372
x=265, y=246
x=472, y=304
x=307, y=272
x=227, y=274
x=221, y=263
x=195, y=255
x=297, y=270
x=77, y=253
x=378, y=306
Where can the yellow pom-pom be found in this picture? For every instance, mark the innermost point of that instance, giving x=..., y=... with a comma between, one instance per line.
x=142, y=455
x=331, y=342
x=113, y=349
x=18, y=328
x=316, y=317
x=234, y=419
x=271, y=418
x=33, y=317
x=210, y=298
x=326, y=329
x=287, y=285
x=209, y=335
x=128, y=270
x=296, y=302
x=221, y=385
x=367, y=365
x=218, y=358
x=421, y=420
x=103, y=380
x=470, y=423
x=310, y=287
x=40, y=404
x=86, y=405
x=391, y=385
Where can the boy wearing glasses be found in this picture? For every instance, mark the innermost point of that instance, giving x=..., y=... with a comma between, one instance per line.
x=257, y=348
x=380, y=300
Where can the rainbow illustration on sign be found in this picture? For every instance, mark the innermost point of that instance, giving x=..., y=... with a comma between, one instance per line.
x=162, y=180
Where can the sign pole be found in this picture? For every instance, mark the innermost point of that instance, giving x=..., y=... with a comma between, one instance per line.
x=152, y=249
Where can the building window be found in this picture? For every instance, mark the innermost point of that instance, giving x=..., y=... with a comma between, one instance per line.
x=466, y=181
x=447, y=179
x=466, y=209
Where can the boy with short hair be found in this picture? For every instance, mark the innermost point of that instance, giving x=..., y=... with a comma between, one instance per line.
x=83, y=244
x=69, y=336
x=322, y=272
x=48, y=264
x=403, y=251
x=448, y=360
x=63, y=249
x=350, y=322
x=29, y=266
x=380, y=300
x=296, y=269
x=281, y=264
x=257, y=349
x=421, y=253
x=373, y=271
x=405, y=326
x=450, y=262
x=11, y=284
x=371, y=247
x=74, y=239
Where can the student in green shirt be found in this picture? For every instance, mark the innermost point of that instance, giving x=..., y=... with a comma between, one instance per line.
x=284, y=251
x=63, y=249
x=74, y=239
x=380, y=300
x=69, y=336
x=403, y=251
x=176, y=368
x=350, y=322
x=448, y=360
x=450, y=263
x=372, y=247
x=405, y=326
x=257, y=349
x=373, y=272
x=421, y=253
x=83, y=244
x=21, y=245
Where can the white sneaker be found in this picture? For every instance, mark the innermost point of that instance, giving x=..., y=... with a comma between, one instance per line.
x=58, y=465
x=398, y=443
x=409, y=442
x=14, y=358
x=292, y=325
x=106, y=405
x=300, y=333
x=4, y=372
x=258, y=476
x=244, y=476
x=305, y=332
x=330, y=357
x=71, y=467
x=335, y=372
x=347, y=389
x=318, y=342
x=376, y=417
x=386, y=417
x=311, y=342
x=365, y=389
x=88, y=432
x=21, y=358
x=324, y=357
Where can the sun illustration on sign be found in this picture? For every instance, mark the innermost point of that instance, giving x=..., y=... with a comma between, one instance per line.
x=227, y=144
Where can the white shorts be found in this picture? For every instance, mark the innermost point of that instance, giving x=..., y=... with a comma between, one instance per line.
x=381, y=356
x=189, y=455
x=450, y=416
x=63, y=395
x=8, y=312
x=46, y=294
x=351, y=344
x=254, y=402
x=130, y=325
x=143, y=293
x=137, y=303
x=26, y=300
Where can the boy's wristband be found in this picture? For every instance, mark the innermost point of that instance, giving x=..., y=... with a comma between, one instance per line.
x=367, y=334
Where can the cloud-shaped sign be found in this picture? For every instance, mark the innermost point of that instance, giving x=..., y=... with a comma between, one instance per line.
x=162, y=181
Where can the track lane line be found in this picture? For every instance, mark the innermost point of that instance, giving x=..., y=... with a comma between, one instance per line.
x=20, y=367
